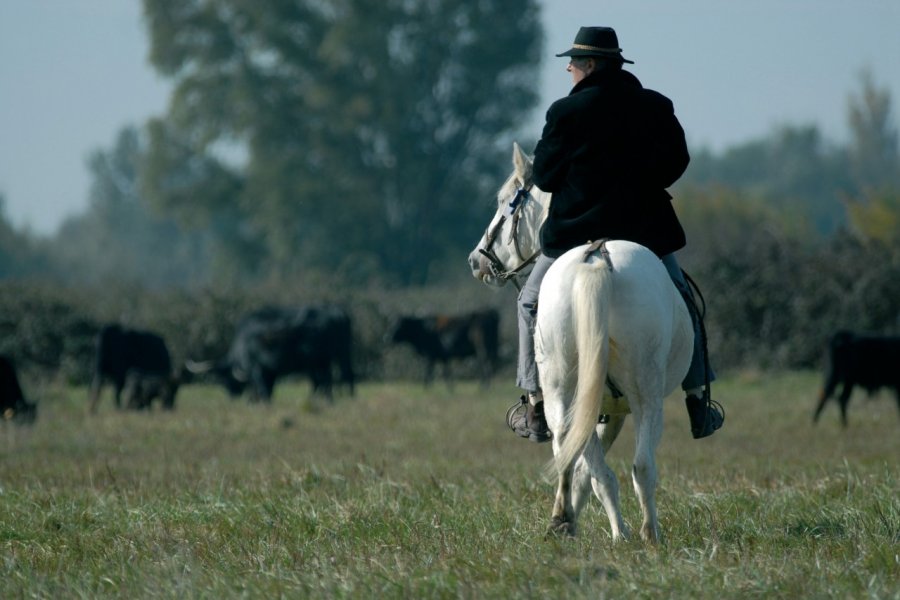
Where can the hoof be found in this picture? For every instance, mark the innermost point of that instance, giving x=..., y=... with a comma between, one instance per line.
x=650, y=535
x=559, y=527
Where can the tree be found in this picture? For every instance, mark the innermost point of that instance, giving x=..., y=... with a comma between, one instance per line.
x=363, y=132
x=876, y=216
x=20, y=255
x=792, y=168
x=119, y=237
x=874, y=209
x=873, y=151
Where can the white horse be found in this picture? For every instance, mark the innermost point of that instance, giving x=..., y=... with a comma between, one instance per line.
x=601, y=320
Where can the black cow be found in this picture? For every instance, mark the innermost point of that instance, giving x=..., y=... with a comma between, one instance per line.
x=13, y=405
x=276, y=341
x=869, y=361
x=120, y=351
x=141, y=389
x=440, y=338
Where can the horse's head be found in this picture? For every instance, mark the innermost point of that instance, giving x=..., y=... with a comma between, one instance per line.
x=512, y=241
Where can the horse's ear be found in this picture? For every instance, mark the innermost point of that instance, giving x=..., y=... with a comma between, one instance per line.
x=521, y=162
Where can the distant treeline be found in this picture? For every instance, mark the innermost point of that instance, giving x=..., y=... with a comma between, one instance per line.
x=772, y=298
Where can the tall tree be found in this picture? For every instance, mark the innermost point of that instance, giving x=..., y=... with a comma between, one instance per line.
x=340, y=133
x=874, y=156
x=120, y=237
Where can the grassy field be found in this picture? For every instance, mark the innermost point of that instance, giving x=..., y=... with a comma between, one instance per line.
x=403, y=492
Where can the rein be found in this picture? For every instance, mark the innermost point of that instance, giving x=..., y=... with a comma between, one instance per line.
x=498, y=269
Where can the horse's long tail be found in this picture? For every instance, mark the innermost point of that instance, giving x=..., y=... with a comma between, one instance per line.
x=592, y=295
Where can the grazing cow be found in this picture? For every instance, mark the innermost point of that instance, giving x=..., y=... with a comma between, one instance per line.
x=439, y=338
x=276, y=341
x=869, y=361
x=141, y=389
x=121, y=350
x=13, y=405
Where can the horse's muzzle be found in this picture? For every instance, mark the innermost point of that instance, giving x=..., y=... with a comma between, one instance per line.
x=482, y=269
x=479, y=265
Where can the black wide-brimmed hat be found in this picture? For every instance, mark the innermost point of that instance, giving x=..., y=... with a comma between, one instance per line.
x=596, y=41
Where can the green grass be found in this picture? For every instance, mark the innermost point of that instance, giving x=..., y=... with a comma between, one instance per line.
x=408, y=493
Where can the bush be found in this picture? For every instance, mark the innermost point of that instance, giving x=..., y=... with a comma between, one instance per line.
x=775, y=292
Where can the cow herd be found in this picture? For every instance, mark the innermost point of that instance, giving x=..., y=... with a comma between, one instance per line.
x=314, y=341
x=317, y=341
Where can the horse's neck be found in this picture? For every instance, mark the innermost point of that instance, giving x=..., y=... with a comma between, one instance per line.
x=542, y=199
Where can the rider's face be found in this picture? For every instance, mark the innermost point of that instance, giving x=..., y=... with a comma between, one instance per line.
x=580, y=67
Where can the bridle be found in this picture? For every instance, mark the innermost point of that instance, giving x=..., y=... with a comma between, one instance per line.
x=514, y=212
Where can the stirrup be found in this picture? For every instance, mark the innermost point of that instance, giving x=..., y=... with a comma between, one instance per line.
x=713, y=416
x=718, y=407
x=517, y=420
x=516, y=411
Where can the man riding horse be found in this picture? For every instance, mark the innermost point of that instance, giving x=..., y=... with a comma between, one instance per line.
x=607, y=153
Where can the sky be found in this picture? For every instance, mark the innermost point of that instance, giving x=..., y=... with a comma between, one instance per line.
x=73, y=73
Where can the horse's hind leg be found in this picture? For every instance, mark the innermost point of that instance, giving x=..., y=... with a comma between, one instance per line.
x=592, y=465
x=556, y=391
x=563, y=517
x=648, y=431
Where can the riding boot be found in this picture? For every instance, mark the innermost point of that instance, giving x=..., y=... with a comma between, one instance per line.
x=526, y=418
x=705, y=416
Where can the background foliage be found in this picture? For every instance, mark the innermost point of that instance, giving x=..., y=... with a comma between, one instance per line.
x=360, y=129
x=348, y=152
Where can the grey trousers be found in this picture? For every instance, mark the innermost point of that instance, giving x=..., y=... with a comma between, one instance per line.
x=526, y=369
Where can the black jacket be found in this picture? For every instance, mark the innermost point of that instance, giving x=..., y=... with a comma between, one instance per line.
x=607, y=154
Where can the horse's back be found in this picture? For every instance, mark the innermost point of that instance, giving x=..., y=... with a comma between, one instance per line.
x=649, y=326
x=641, y=283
